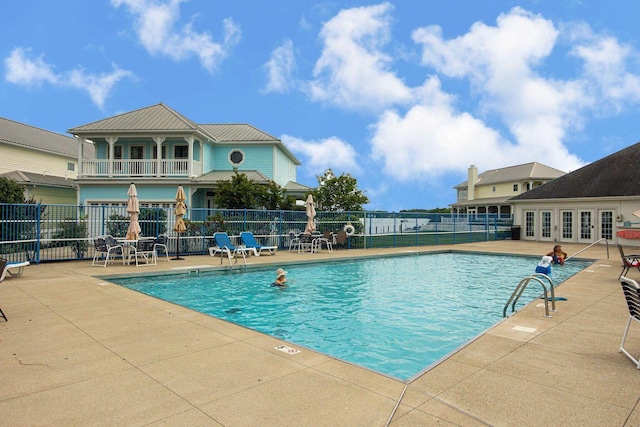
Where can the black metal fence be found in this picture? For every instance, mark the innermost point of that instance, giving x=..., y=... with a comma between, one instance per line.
x=44, y=233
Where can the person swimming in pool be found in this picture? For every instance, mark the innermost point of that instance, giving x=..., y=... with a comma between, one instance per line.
x=281, y=278
x=558, y=255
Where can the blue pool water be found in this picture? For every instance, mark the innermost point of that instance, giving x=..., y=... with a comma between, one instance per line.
x=394, y=315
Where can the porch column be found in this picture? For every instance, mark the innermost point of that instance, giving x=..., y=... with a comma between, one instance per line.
x=190, y=140
x=112, y=142
x=159, y=140
x=80, y=154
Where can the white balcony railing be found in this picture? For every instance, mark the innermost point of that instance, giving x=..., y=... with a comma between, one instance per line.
x=139, y=168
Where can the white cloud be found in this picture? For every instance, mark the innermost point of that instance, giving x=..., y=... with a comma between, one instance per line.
x=433, y=139
x=605, y=64
x=324, y=154
x=353, y=72
x=33, y=72
x=500, y=62
x=97, y=86
x=280, y=68
x=23, y=71
x=155, y=28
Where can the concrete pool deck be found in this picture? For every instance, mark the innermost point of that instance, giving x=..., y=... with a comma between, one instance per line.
x=78, y=351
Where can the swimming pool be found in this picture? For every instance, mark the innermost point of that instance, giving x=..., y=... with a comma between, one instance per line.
x=395, y=315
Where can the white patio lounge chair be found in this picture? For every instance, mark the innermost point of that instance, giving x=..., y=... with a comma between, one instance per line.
x=632, y=295
x=17, y=267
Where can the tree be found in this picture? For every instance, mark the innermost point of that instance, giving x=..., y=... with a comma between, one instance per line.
x=274, y=198
x=338, y=193
x=237, y=193
x=11, y=191
x=242, y=193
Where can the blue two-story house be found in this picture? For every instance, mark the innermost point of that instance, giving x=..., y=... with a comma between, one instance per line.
x=158, y=149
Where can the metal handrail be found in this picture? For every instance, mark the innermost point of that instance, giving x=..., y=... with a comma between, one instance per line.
x=597, y=241
x=520, y=289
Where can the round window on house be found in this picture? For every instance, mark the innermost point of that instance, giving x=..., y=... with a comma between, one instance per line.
x=236, y=157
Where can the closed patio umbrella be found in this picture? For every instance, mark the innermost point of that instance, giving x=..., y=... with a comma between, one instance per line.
x=133, y=209
x=311, y=214
x=179, y=211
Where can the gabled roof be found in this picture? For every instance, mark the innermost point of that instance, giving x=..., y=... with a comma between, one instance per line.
x=243, y=133
x=151, y=119
x=237, y=133
x=215, y=176
x=38, y=139
x=524, y=172
x=161, y=119
x=23, y=177
x=613, y=176
x=294, y=186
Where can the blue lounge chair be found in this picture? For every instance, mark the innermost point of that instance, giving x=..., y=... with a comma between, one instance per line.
x=223, y=245
x=251, y=244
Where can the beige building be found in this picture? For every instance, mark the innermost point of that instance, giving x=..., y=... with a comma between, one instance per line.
x=490, y=191
x=593, y=203
x=46, y=163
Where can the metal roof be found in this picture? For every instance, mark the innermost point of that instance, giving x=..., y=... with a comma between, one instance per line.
x=616, y=175
x=216, y=176
x=20, y=134
x=295, y=186
x=237, y=133
x=527, y=171
x=23, y=177
x=153, y=119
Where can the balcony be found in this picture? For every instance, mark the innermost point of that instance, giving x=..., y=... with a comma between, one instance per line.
x=140, y=168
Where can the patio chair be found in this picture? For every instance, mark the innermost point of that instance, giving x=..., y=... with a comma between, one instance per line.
x=250, y=244
x=632, y=295
x=341, y=238
x=160, y=244
x=305, y=242
x=18, y=268
x=144, y=249
x=325, y=239
x=628, y=262
x=108, y=247
x=3, y=267
x=294, y=241
x=224, y=246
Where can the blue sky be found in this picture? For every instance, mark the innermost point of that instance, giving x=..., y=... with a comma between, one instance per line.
x=402, y=95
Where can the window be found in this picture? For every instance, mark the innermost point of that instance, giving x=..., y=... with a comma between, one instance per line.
x=71, y=167
x=545, y=219
x=515, y=187
x=236, y=157
x=137, y=152
x=606, y=225
x=567, y=225
x=585, y=225
x=117, y=159
x=493, y=189
x=528, y=186
x=181, y=152
x=529, y=223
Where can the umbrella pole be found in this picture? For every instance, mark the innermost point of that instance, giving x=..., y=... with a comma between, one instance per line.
x=177, y=258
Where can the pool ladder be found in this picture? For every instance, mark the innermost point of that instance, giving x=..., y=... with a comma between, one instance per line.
x=537, y=277
x=228, y=252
